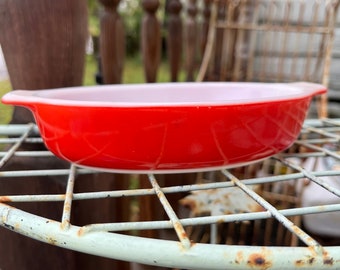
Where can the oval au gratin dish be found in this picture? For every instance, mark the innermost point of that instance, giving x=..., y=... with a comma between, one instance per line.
x=168, y=127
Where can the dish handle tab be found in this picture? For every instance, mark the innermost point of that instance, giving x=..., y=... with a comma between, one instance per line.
x=313, y=89
x=25, y=98
x=309, y=88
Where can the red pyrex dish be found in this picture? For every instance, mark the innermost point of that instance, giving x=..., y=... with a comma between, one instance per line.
x=169, y=127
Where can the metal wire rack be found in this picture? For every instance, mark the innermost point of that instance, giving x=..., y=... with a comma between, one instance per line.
x=319, y=139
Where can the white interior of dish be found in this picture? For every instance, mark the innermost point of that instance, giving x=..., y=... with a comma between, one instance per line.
x=171, y=94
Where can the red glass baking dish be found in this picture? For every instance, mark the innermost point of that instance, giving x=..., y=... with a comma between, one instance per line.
x=168, y=127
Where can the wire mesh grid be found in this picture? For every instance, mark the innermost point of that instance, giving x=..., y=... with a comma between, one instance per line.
x=181, y=246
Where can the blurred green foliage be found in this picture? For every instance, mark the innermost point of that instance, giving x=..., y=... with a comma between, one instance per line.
x=5, y=110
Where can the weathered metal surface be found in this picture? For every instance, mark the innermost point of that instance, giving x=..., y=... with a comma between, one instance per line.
x=15, y=146
x=66, y=217
x=167, y=253
x=221, y=201
x=182, y=235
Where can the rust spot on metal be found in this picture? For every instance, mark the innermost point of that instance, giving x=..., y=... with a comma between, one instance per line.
x=328, y=261
x=8, y=226
x=52, y=241
x=258, y=260
x=220, y=221
x=16, y=226
x=296, y=230
x=239, y=257
x=65, y=224
x=5, y=199
x=311, y=261
x=299, y=263
x=67, y=207
x=81, y=231
x=180, y=231
x=312, y=250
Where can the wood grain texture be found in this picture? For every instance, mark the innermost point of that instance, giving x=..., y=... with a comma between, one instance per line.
x=191, y=38
x=44, y=44
x=175, y=38
x=112, y=43
x=150, y=40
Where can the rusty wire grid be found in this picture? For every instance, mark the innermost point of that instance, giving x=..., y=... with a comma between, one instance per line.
x=202, y=238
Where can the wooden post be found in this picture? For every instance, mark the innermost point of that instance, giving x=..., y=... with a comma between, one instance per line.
x=191, y=40
x=244, y=44
x=150, y=40
x=44, y=45
x=175, y=38
x=112, y=43
x=205, y=25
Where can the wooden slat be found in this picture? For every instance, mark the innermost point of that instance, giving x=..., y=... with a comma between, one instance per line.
x=174, y=38
x=112, y=43
x=150, y=40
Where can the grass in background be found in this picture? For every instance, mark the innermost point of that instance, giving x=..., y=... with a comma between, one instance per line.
x=133, y=71
x=5, y=110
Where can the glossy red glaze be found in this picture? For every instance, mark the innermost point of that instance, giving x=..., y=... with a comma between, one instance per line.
x=169, y=138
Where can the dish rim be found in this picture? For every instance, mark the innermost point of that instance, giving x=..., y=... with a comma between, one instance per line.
x=299, y=90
